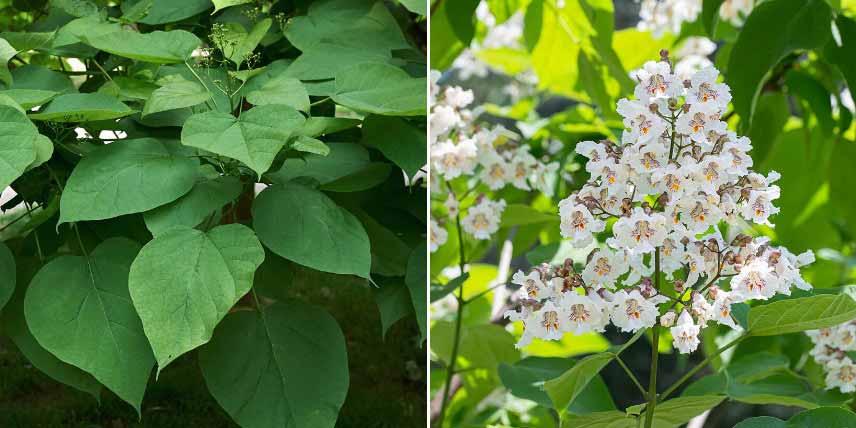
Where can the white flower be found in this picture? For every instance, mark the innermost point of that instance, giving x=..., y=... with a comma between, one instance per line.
x=644, y=125
x=760, y=206
x=457, y=97
x=699, y=122
x=704, y=89
x=631, y=311
x=482, y=219
x=551, y=322
x=496, y=171
x=532, y=286
x=540, y=176
x=443, y=118
x=735, y=11
x=604, y=268
x=438, y=236
x=577, y=222
x=520, y=168
x=640, y=232
x=755, y=281
x=685, y=334
x=656, y=81
x=841, y=375
x=452, y=160
x=721, y=308
x=584, y=313
x=668, y=319
x=646, y=158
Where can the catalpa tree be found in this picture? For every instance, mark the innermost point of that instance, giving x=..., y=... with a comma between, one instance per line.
x=171, y=165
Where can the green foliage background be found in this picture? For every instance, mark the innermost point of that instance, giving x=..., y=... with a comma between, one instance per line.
x=787, y=67
x=216, y=196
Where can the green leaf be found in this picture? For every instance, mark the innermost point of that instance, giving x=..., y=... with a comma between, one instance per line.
x=842, y=56
x=823, y=417
x=76, y=8
x=566, y=388
x=710, y=15
x=285, y=366
x=15, y=326
x=609, y=419
x=326, y=59
x=27, y=41
x=281, y=90
x=808, y=88
x=222, y=4
x=237, y=44
x=359, y=24
x=771, y=115
x=445, y=46
x=310, y=145
x=418, y=7
x=155, y=12
x=461, y=15
x=344, y=159
x=374, y=174
x=799, y=24
x=806, y=313
x=439, y=291
x=748, y=368
x=783, y=388
x=29, y=98
x=90, y=322
x=416, y=280
x=83, y=108
x=518, y=214
x=255, y=138
x=525, y=379
x=126, y=177
x=175, y=92
x=393, y=302
x=398, y=140
x=199, y=275
x=318, y=125
x=390, y=255
x=190, y=210
x=762, y=422
x=7, y=280
x=126, y=88
x=482, y=346
x=18, y=140
x=34, y=77
x=380, y=89
x=318, y=233
x=160, y=47
x=678, y=411
x=6, y=53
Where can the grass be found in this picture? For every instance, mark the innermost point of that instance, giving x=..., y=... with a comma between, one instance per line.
x=387, y=378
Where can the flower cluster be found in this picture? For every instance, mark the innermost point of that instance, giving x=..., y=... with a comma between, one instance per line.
x=665, y=189
x=487, y=156
x=661, y=16
x=831, y=347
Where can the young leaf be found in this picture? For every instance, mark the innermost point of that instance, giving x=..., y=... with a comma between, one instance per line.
x=222, y=4
x=398, y=140
x=317, y=233
x=125, y=177
x=160, y=47
x=6, y=53
x=190, y=210
x=284, y=366
x=806, y=313
x=83, y=108
x=90, y=322
x=185, y=281
x=239, y=43
x=7, y=280
x=255, y=138
x=393, y=302
x=176, y=92
x=380, y=89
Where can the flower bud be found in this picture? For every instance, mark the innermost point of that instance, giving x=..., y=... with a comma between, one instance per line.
x=654, y=108
x=605, y=294
x=685, y=108
x=688, y=83
x=679, y=286
x=668, y=319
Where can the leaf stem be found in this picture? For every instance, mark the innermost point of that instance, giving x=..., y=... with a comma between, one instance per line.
x=322, y=100
x=214, y=100
x=631, y=376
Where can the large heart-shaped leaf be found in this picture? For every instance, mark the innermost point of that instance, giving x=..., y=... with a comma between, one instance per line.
x=176, y=92
x=125, y=177
x=398, y=140
x=18, y=139
x=380, y=89
x=317, y=233
x=89, y=320
x=255, y=138
x=161, y=47
x=281, y=90
x=283, y=367
x=185, y=281
x=192, y=208
x=83, y=108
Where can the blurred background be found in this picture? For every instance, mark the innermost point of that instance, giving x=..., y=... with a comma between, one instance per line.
x=553, y=77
